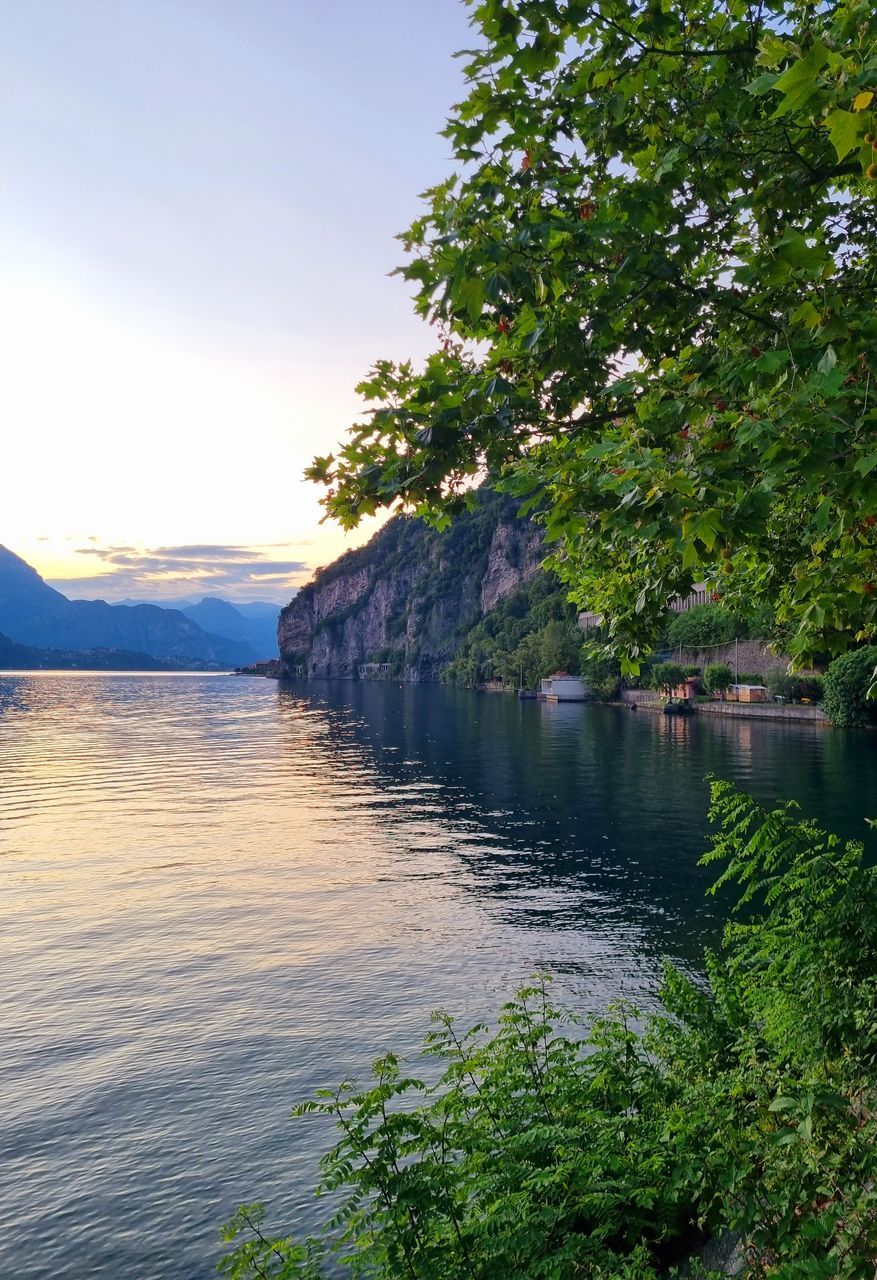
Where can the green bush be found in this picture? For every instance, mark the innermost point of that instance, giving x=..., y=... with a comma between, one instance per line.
x=718, y=677
x=747, y=1104
x=600, y=671
x=704, y=625
x=750, y=677
x=782, y=685
x=846, y=685
x=810, y=687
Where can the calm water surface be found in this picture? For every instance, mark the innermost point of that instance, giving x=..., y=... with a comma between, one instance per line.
x=218, y=894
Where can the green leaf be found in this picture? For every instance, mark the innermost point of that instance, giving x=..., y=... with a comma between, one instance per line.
x=798, y=82
x=762, y=84
x=846, y=130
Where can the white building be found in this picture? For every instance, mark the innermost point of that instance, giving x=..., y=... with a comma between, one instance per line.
x=562, y=687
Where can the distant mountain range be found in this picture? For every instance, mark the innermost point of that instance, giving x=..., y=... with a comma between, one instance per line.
x=253, y=624
x=211, y=634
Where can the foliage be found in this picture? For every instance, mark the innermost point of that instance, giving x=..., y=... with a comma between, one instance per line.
x=782, y=685
x=652, y=285
x=794, y=688
x=530, y=634
x=846, y=686
x=750, y=677
x=811, y=688
x=747, y=1104
x=704, y=625
x=599, y=670
x=717, y=677
x=666, y=677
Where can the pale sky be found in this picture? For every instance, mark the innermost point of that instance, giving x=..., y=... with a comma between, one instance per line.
x=199, y=199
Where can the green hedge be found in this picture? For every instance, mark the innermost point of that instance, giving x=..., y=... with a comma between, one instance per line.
x=846, y=686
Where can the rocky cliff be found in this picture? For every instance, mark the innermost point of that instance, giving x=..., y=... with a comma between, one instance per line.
x=408, y=598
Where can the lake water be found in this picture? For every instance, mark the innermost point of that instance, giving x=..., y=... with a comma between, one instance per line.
x=219, y=893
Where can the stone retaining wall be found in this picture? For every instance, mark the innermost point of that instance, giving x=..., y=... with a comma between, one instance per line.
x=649, y=701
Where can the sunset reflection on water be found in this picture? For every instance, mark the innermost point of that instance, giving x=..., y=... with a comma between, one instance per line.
x=218, y=894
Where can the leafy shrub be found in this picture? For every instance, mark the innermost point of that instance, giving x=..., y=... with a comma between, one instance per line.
x=600, y=671
x=810, y=687
x=704, y=625
x=794, y=688
x=748, y=1104
x=846, y=685
x=718, y=677
x=782, y=685
x=750, y=677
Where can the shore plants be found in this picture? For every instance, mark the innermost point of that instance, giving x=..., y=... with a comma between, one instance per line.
x=546, y=1149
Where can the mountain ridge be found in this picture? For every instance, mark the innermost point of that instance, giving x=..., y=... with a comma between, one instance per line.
x=34, y=614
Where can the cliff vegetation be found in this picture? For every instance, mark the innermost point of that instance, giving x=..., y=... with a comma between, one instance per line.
x=409, y=598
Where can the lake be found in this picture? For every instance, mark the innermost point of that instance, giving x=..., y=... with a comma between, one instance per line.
x=221, y=893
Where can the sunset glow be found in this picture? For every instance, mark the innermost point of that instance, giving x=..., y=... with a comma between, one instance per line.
x=183, y=324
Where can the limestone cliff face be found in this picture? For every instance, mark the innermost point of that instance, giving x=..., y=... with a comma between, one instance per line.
x=408, y=597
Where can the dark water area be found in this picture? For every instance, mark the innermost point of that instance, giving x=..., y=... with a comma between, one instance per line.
x=218, y=894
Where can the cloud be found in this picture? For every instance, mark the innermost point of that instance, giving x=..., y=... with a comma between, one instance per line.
x=187, y=572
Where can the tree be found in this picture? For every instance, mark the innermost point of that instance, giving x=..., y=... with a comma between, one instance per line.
x=717, y=678
x=666, y=677
x=846, y=686
x=652, y=285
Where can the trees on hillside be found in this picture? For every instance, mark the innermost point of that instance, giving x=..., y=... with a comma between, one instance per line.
x=704, y=626
x=652, y=287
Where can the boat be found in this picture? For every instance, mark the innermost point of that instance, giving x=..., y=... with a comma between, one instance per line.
x=678, y=707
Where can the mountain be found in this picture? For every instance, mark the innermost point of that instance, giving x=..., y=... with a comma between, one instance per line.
x=409, y=597
x=259, y=609
x=255, y=624
x=33, y=613
x=222, y=618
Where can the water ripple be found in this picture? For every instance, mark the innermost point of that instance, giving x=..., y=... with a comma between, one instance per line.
x=218, y=894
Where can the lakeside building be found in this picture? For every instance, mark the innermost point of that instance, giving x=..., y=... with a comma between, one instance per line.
x=747, y=693
x=562, y=687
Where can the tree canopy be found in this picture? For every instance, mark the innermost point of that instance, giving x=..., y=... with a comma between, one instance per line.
x=652, y=285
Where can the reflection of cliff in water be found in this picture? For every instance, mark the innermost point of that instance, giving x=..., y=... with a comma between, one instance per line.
x=586, y=808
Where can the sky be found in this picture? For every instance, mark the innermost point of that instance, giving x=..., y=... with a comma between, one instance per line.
x=199, y=205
